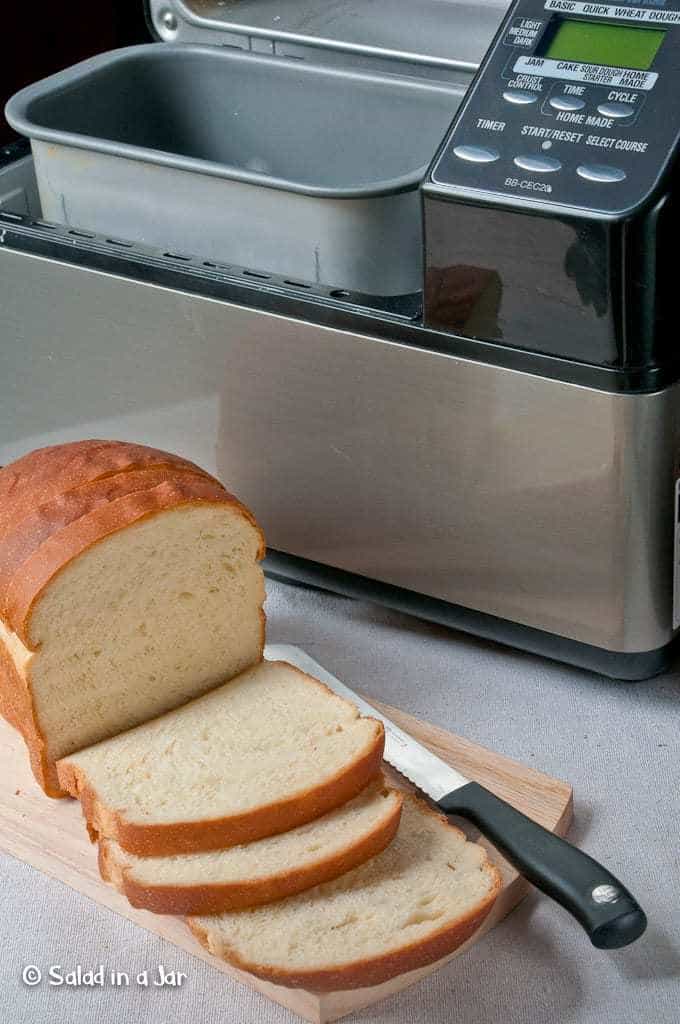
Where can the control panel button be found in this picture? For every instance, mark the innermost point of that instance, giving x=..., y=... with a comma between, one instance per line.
x=600, y=173
x=567, y=102
x=522, y=97
x=476, y=154
x=616, y=110
x=538, y=164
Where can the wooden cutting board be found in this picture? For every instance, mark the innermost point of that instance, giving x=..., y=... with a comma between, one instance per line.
x=50, y=836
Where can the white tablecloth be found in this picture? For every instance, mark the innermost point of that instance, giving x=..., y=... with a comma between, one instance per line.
x=617, y=744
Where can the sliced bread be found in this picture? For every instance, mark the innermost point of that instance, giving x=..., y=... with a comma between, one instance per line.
x=411, y=905
x=120, y=598
x=260, y=872
x=264, y=753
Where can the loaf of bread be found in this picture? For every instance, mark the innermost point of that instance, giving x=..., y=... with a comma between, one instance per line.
x=129, y=584
x=243, y=794
x=413, y=904
x=270, y=750
x=260, y=872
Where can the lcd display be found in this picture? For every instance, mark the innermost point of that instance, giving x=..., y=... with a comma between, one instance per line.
x=596, y=42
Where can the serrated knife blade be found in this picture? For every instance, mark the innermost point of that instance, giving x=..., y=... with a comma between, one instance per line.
x=421, y=767
x=603, y=906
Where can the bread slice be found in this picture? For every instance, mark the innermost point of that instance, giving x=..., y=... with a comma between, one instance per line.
x=260, y=872
x=121, y=598
x=268, y=751
x=411, y=905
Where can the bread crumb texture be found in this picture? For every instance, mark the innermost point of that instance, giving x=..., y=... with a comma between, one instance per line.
x=427, y=883
x=143, y=621
x=297, y=849
x=269, y=734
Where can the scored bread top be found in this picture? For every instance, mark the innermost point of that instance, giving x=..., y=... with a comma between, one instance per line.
x=41, y=475
x=270, y=750
x=412, y=905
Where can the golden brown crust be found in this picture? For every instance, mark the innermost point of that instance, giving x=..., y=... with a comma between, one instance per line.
x=45, y=473
x=365, y=973
x=215, y=898
x=55, y=503
x=23, y=540
x=376, y=970
x=156, y=840
x=44, y=564
x=17, y=708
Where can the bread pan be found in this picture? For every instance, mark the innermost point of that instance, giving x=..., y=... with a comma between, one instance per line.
x=277, y=164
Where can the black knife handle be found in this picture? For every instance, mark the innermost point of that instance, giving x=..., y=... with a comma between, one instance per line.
x=609, y=914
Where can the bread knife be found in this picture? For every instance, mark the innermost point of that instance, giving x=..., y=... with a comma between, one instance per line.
x=607, y=911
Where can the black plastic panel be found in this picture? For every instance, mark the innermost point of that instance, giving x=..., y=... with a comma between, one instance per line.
x=525, y=280
x=641, y=146
x=540, y=257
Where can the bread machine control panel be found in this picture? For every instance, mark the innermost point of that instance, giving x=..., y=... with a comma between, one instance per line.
x=575, y=103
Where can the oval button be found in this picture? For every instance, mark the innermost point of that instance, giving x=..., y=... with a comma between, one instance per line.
x=567, y=103
x=476, y=154
x=522, y=97
x=615, y=110
x=600, y=173
x=538, y=164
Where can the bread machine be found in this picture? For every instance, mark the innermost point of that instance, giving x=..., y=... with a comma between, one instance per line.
x=402, y=275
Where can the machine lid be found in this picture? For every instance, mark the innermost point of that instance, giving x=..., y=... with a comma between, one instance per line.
x=450, y=35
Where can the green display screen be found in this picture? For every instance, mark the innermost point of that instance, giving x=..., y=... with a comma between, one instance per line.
x=593, y=42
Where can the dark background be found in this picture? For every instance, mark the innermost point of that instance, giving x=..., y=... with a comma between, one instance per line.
x=41, y=39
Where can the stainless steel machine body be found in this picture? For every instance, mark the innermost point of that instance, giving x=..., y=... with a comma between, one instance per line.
x=510, y=490
x=527, y=499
